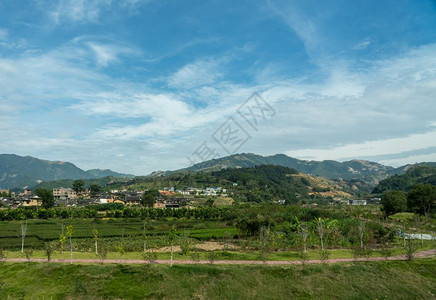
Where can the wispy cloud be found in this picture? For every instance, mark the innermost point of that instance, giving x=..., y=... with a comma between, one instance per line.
x=3, y=34
x=78, y=10
x=106, y=54
x=197, y=74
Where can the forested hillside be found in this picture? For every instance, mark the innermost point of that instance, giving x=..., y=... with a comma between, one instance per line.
x=416, y=174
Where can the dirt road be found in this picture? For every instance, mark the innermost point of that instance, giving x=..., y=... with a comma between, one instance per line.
x=421, y=254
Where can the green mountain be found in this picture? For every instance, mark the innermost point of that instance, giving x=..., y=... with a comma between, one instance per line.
x=421, y=173
x=369, y=173
x=17, y=172
x=262, y=183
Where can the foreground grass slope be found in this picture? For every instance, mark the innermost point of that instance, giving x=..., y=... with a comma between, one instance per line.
x=364, y=280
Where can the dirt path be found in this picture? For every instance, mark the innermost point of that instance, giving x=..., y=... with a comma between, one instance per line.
x=421, y=254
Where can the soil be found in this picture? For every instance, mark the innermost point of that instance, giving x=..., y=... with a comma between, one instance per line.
x=427, y=253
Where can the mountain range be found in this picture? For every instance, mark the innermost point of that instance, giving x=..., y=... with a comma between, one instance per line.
x=26, y=172
x=18, y=172
x=363, y=171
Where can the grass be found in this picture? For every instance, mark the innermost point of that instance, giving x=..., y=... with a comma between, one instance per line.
x=363, y=280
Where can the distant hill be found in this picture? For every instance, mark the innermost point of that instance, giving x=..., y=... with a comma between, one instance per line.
x=262, y=183
x=421, y=173
x=367, y=172
x=17, y=172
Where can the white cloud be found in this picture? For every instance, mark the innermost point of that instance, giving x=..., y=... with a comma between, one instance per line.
x=371, y=148
x=3, y=34
x=362, y=45
x=78, y=10
x=199, y=73
x=106, y=54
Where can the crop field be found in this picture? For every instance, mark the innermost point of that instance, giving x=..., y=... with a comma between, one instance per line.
x=41, y=231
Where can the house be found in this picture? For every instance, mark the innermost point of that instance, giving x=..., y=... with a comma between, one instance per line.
x=166, y=193
x=130, y=199
x=357, y=202
x=103, y=199
x=175, y=202
x=30, y=200
x=64, y=194
x=159, y=205
x=26, y=192
x=374, y=201
x=6, y=192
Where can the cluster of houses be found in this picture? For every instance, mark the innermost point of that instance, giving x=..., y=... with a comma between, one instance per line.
x=67, y=197
x=24, y=199
x=169, y=197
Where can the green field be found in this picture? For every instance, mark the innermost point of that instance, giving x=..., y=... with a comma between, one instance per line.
x=364, y=280
x=41, y=231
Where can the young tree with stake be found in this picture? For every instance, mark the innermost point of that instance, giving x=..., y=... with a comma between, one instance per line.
x=23, y=235
x=172, y=237
x=95, y=234
x=70, y=231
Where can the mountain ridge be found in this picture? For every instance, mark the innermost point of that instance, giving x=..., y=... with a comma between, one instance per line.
x=356, y=170
x=17, y=172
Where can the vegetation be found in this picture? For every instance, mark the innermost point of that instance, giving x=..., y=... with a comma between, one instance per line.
x=420, y=199
x=394, y=202
x=46, y=196
x=425, y=174
x=364, y=280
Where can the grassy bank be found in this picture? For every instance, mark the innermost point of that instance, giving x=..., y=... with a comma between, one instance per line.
x=363, y=280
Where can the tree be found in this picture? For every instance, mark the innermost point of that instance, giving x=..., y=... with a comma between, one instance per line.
x=94, y=189
x=394, y=202
x=46, y=197
x=320, y=225
x=121, y=250
x=62, y=240
x=422, y=199
x=95, y=234
x=48, y=250
x=70, y=231
x=304, y=231
x=266, y=240
x=361, y=232
x=149, y=198
x=172, y=235
x=79, y=186
x=23, y=235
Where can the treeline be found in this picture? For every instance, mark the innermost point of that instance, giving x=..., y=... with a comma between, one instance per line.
x=420, y=199
x=269, y=212
x=95, y=212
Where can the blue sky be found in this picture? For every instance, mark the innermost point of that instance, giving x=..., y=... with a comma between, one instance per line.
x=137, y=86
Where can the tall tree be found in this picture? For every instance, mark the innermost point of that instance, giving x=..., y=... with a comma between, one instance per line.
x=394, y=202
x=46, y=197
x=94, y=189
x=79, y=186
x=422, y=199
x=149, y=198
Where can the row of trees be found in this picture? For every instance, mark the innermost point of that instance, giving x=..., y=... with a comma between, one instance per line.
x=420, y=199
x=127, y=212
